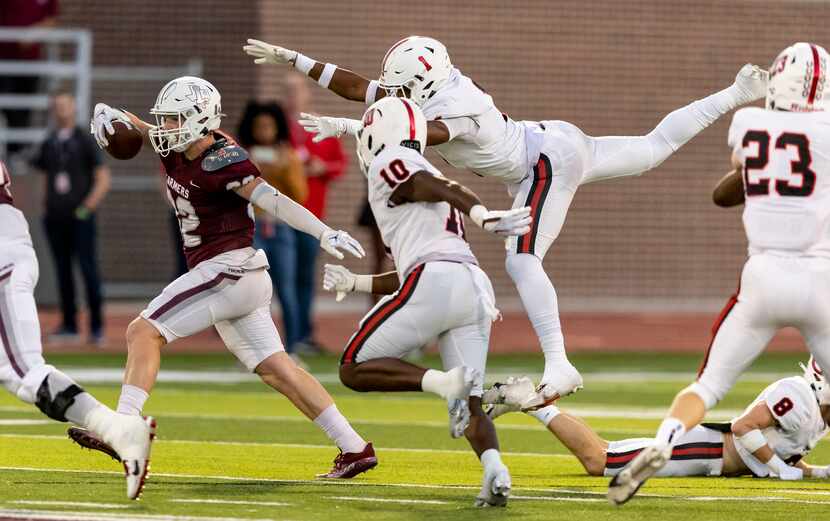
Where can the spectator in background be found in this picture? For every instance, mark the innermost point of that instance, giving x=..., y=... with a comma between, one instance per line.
x=76, y=184
x=264, y=132
x=23, y=14
x=323, y=163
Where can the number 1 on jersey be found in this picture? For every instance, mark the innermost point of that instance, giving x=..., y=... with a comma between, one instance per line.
x=455, y=223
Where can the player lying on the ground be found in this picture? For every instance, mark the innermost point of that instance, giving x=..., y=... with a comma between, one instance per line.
x=781, y=152
x=211, y=185
x=438, y=290
x=470, y=132
x=791, y=415
x=23, y=370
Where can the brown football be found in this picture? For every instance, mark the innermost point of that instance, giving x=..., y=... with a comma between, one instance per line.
x=125, y=142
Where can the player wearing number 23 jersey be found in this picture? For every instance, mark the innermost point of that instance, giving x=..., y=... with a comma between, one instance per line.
x=783, y=154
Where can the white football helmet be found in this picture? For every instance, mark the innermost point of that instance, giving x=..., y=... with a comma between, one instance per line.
x=415, y=67
x=815, y=377
x=196, y=105
x=390, y=122
x=797, y=79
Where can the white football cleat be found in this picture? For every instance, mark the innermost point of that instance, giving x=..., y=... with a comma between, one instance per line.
x=646, y=464
x=752, y=82
x=495, y=488
x=131, y=437
x=559, y=381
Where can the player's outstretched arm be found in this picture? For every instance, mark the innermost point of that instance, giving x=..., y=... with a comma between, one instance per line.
x=424, y=187
x=103, y=116
x=281, y=207
x=342, y=82
x=813, y=471
x=747, y=431
x=339, y=279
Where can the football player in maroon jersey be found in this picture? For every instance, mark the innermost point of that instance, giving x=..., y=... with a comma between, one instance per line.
x=212, y=184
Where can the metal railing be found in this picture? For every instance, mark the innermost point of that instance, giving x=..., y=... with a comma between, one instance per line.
x=79, y=69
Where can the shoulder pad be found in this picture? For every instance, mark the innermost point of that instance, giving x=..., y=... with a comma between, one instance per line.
x=222, y=157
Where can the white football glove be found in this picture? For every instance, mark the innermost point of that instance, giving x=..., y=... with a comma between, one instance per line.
x=326, y=127
x=334, y=240
x=101, y=124
x=820, y=472
x=339, y=279
x=789, y=473
x=267, y=53
x=502, y=222
x=751, y=82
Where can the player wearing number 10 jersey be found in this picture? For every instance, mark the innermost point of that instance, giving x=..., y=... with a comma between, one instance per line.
x=212, y=184
x=783, y=153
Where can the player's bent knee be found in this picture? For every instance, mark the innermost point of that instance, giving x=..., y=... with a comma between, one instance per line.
x=140, y=332
x=349, y=377
x=594, y=464
x=517, y=264
x=708, y=396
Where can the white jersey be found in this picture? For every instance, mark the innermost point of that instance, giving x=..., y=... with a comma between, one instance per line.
x=799, y=424
x=482, y=139
x=786, y=164
x=415, y=232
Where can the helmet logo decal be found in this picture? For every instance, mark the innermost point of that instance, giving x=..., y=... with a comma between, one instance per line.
x=778, y=66
x=369, y=117
x=426, y=64
x=198, y=94
x=816, y=368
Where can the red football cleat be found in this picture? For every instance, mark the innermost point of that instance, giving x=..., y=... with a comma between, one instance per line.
x=350, y=464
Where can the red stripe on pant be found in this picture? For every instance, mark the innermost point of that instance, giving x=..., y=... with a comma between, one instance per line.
x=375, y=319
x=716, y=327
x=701, y=452
x=536, y=199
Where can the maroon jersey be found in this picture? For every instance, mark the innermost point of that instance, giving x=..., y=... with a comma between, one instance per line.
x=213, y=219
x=5, y=185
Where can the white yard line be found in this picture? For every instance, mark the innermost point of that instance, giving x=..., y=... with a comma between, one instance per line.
x=69, y=504
x=390, y=500
x=299, y=446
x=15, y=423
x=551, y=498
x=58, y=515
x=230, y=502
x=110, y=375
x=805, y=492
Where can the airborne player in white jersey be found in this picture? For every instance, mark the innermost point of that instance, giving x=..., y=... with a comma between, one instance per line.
x=783, y=154
x=792, y=415
x=542, y=163
x=437, y=291
x=25, y=374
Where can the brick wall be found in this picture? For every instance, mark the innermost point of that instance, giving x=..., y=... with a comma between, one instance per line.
x=609, y=67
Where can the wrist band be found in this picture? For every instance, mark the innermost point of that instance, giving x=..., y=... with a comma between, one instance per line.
x=363, y=283
x=325, y=76
x=303, y=63
x=752, y=440
x=477, y=214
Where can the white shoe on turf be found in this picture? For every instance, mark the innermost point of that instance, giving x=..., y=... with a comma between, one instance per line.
x=559, y=381
x=131, y=437
x=646, y=464
x=495, y=488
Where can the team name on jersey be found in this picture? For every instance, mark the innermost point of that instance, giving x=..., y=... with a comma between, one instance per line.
x=176, y=187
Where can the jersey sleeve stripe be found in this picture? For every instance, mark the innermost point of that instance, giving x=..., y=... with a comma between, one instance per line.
x=190, y=293
x=372, y=322
x=536, y=200
x=11, y=350
x=816, y=75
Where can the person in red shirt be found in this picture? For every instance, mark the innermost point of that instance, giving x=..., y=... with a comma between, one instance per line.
x=213, y=185
x=324, y=162
x=23, y=14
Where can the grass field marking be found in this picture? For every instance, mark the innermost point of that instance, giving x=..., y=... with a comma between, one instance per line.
x=390, y=500
x=805, y=492
x=64, y=515
x=232, y=502
x=300, y=446
x=559, y=498
x=14, y=423
x=765, y=499
x=68, y=504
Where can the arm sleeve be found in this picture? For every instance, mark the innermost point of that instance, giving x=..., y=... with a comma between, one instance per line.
x=278, y=205
x=460, y=126
x=788, y=406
